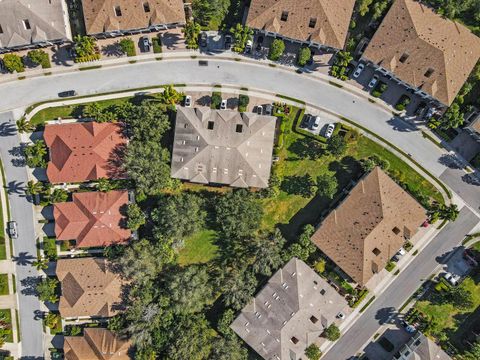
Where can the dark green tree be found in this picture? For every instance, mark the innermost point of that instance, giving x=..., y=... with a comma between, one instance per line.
x=276, y=50
x=473, y=353
x=224, y=323
x=313, y=352
x=228, y=349
x=39, y=57
x=304, y=54
x=332, y=333
x=47, y=290
x=327, y=185
x=35, y=154
x=128, y=46
x=135, y=216
x=13, y=63
x=192, y=31
x=336, y=146
x=303, y=247
x=239, y=288
x=452, y=118
x=268, y=253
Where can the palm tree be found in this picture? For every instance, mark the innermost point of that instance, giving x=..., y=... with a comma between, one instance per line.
x=25, y=126
x=104, y=185
x=58, y=195
x=40, y=264
x=170, y=96
x=241, y=35
x=449, y=212
x=192, y=31
x=34, y=188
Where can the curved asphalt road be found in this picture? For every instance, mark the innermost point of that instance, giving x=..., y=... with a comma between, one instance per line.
x=20, y=94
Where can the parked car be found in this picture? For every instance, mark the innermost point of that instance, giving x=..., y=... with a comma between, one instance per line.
x=188, y=101
x=203, y=39
x=373, y=82
x=145, y=41
x=259, y=110
x=340, y=315
x=408, y=328
x=268, y=109
x=316, y=123
x=248, y=47
x=228, y=42
x=67, y=93
x=399, y=254
x=12, y=229
x=420, y=110
x=223, y=105
x=358, y=70
x=451, y=278
x=329, y=131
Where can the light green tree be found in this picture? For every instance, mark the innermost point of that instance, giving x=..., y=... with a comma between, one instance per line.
x=276, y=50
x=241, y=35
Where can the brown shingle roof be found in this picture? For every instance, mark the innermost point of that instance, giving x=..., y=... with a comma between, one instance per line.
x=427, y=42
x=100, y=15
x=92, y=219
x=83, y=151
x=329, y=21
x=96, y=344
x=369, y=227
x=89, y=288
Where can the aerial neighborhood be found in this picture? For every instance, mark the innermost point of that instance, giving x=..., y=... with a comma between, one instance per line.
x=240, y=180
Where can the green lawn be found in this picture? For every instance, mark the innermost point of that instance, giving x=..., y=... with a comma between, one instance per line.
x=199, y=248
x=6, y=315
x=4, y=284
x=3, y=250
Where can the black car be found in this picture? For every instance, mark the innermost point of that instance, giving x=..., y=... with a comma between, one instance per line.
x=67, y=93
x=203, y=39
x=228, y=42
x=259, y=43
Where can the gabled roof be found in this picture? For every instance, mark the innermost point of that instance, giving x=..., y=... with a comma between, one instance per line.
x=46, y=19
x=89, y=288
x=83, y=151
x=437, y=54
x=100, y=15
x=317, y=21
x=96, y=344
x=237, y=151
x=92, y=219
x=369, y=226
x=296, y=303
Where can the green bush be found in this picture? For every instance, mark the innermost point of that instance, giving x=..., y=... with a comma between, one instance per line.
x=87, y=58
x=13, y=63
x=332, y=333
x=128, y=46
x=216, y=100
x=276, y=49
x=157, y=45
x=39, y=57
x=243, y=101
x=50, y=248
x=390, y=266
x=304, y=54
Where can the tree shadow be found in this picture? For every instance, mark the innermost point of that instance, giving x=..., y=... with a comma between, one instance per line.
x=7, y=129
x=307, y=149
x=205, y=100
x=170, y=40
x=115, y=169
x=385, y=315
x=112, y=50
x=347, y=169
x=471, y=179
x=298, y=185
x=18, y=155
x=29, y=285
x=61, y=56
x=398, y=124
x=16, y=187
x=451, y=161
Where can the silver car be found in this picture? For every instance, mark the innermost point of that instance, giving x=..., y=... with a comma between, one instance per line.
x=12, y=229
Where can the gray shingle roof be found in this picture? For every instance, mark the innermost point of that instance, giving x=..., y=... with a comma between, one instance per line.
x=25, y=22
x=223, y=147
x=289, y=313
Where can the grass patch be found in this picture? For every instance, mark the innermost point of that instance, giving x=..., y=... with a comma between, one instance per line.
x=22, y=77
x=85, y=68
x=4, y=284
x=47, y=73
x=6, y=315
x=390, y=266
x=157, y=45
x=396, y=272
x=364, y=307
x=14, y=283
x=415, y=253
x=3, y=249
x=433, y=140
x=158, y=58
x=199, y=248
x=17, y=321
x=372, y=101
x=335, y=84
x=290, y=98
x=272, y=65
x=132, y=61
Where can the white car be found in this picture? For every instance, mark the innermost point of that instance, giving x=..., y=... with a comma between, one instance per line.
x=451, y=278
x=248, y=47
x=358, y=70
x=329, y=131
x=401, y=251
x=188, y=101
x=316, y=123
x=223, y=105
x=341, y=315
x=373, y=82
x=259, y=109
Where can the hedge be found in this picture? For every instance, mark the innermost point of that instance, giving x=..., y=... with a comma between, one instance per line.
x=157, y=45
x=88, y=58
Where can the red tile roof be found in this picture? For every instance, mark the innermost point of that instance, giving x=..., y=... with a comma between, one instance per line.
x=83, y=151
x=92, y=219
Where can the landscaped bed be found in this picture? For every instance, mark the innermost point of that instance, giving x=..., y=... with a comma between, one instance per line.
x=4, y=284
x=6, y=318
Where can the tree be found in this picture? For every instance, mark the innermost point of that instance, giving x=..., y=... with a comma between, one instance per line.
x=47, y=290
x=313, y=352
x=192, y=32
x=40, y=264
x=189, y=289
x=92, y=110
x=367, y=165
x=303, y=247
x=85, y=46
x=268, y=252
x=304, y=54
x=25, y=126
x=379, y=8
x=276, y=50
x=452, y=118
x=336, y=145
x=170, y=96
x=147, y=122
x=228, y=349
x=239, y=288
x=327, y=185
x=13, y=63
x=207, y=11
x=34, y=188
x=332, y=333
x=243, y=101
x=473, y=353
x=224, y=323
x=128, y=47
x=135, y=217
x=192, y=340
x=241, y=34
x=39, y=57
x=148, y=164
x=58, y=195
x=363, y=7
x=445, y=212
x=51, y=320
x=35, y=154
x=320, y=266
x=343, y=58
x=104, y=185
x=238, y=214
x=459, y=296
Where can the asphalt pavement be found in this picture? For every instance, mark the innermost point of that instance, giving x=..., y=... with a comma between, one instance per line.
x=24, y=247
x=436, y=253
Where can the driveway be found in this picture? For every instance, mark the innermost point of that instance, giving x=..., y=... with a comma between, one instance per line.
x=25, y=251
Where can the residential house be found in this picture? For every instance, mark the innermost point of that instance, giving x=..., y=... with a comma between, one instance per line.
x=89, y=288
x=289, y=313
x=425, y=52
x=317, y=23
x=223, y=147
x=366, y=230
x=96, y=344
x=84, y=151
x=422, y=348
x=120, y=17
x=93, y=219
x=26, y=24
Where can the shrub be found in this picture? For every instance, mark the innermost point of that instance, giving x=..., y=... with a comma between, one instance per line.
x=157, y=45
x=304, y=54
x=128, y=47
x=332, y=333
x=243, y=101
x=276, y=50
x=39, y=57
x=13, y=63
x=320, y=266
x=313, y=352
x=216, y=100
x=390, y=266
